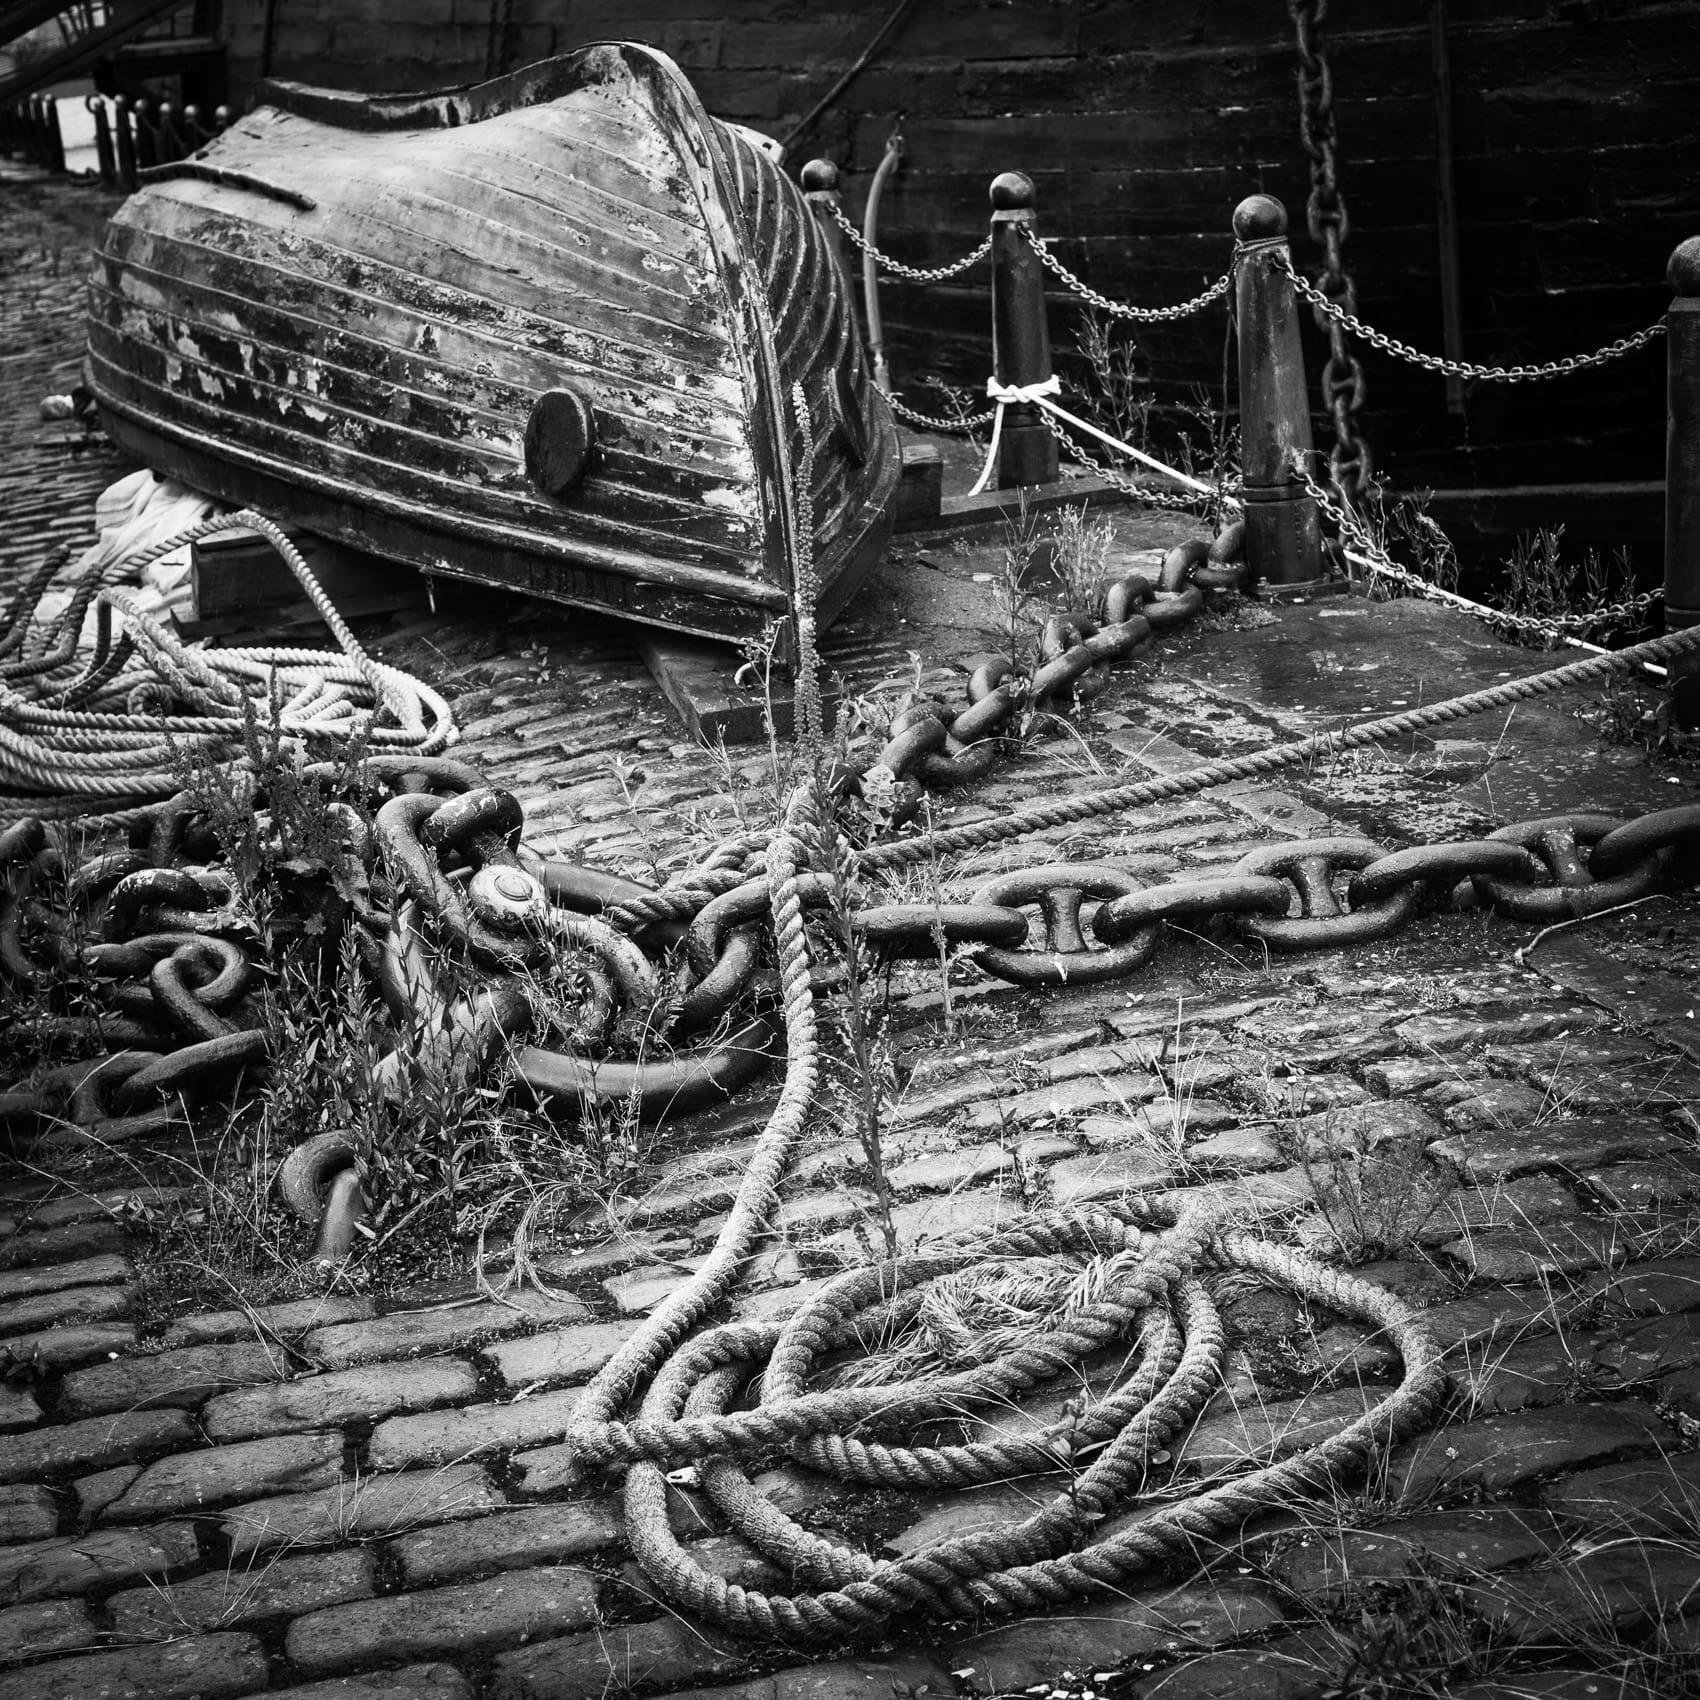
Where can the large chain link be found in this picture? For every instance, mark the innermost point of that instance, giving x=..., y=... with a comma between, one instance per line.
x=915, y=274
x=928, y=744
x=1120, y=309
x=1337, y=314
x=1342, y=382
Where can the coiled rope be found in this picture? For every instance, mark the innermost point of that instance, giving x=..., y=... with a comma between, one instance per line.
x=1154, y=1301
x=85, y=730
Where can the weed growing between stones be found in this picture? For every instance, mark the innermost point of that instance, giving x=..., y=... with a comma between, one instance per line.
x=1374, y=1198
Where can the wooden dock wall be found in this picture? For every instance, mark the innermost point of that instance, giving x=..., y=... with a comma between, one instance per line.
x=1143, y=122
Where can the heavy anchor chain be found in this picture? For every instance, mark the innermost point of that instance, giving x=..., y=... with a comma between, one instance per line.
x=929, y=747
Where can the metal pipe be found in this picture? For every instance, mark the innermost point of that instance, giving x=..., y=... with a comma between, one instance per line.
x=1283, y=536
x=870, y=267
x=1021, y=340
x=1682, y=469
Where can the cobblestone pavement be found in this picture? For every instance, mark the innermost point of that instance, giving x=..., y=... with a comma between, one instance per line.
x=336, y=1495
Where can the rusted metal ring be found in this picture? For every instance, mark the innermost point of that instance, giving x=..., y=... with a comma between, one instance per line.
x=1055, y=676
x=1126, y=599
x=177, y=1004
x=713, y=993
x=1626, y=845
x=1190, y=900
x=921, y=735
x=210, y=1062
x=1575, y=892
x=399, y=826
x=149, y=888
x=1173, y=608
x=305, y=1174
x=459, y=822
x=1059, y=890
x=1440, y=864
x=22, y=841
x=738, y=907
x=1181, y=563
x=682, y=1083
x=986, y=715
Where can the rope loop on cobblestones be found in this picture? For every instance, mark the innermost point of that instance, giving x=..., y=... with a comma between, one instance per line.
x=1153, y=1299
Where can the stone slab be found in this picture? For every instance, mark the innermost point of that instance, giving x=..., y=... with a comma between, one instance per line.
x=560, y=1355
x=460, y=1619
x=470, y=1431
x=288, y=1320
x=508, y=1540
x=27, y=1513
x=1087, y=1639
x=62, y=1307
x=44, y=1570
x=373, y=1506
x=244, y=1593
x=410, y=1682
x=206, y=1667
x=340, y=1396
x=1465, y=1542
x=47, y=1626
x=76, y=1448
x=1574, y=1146
x=184, y=1378
x=53, y=1277
x=1648, y=1497
x=219, y=1475
x=667, y=1652
x=415, y=1333
x=65, y=1346
x=1496, y=1453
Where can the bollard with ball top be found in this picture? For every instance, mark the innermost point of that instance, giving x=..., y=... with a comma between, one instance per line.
x=1283, y=539
x=1682, y=471
x=820, y=190
x=1021, y=341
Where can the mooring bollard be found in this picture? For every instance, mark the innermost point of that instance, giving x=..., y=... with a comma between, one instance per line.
x=820, y=190
x=124, y=143
x=1021, y=341
x=108, y=161
x=1283, y=539
x=1682, y=470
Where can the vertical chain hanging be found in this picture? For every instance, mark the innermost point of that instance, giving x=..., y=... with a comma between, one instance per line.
x=1325, y=211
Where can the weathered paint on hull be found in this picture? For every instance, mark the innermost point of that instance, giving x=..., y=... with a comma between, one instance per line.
x=344, y=310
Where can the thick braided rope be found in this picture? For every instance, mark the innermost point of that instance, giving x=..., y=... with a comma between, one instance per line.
x=638, y=1359
x=1026, y=1566
x=1255, y=763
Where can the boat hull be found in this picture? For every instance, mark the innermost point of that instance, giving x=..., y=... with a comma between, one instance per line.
x=347, y=311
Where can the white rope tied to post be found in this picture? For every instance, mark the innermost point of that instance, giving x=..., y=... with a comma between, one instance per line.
x=1041, y=395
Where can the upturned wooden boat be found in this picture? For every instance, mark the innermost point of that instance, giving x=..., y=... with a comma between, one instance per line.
x=541, y=333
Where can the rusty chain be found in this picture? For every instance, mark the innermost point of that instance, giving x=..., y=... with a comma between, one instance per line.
x=959, y=426
x=915, y=274
x=1342, y=381
x=1339, y=315
x=1557, y=627
x=1149, y=495
x=1121, y=309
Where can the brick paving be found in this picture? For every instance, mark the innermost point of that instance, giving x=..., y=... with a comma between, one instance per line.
x=356, y=1496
